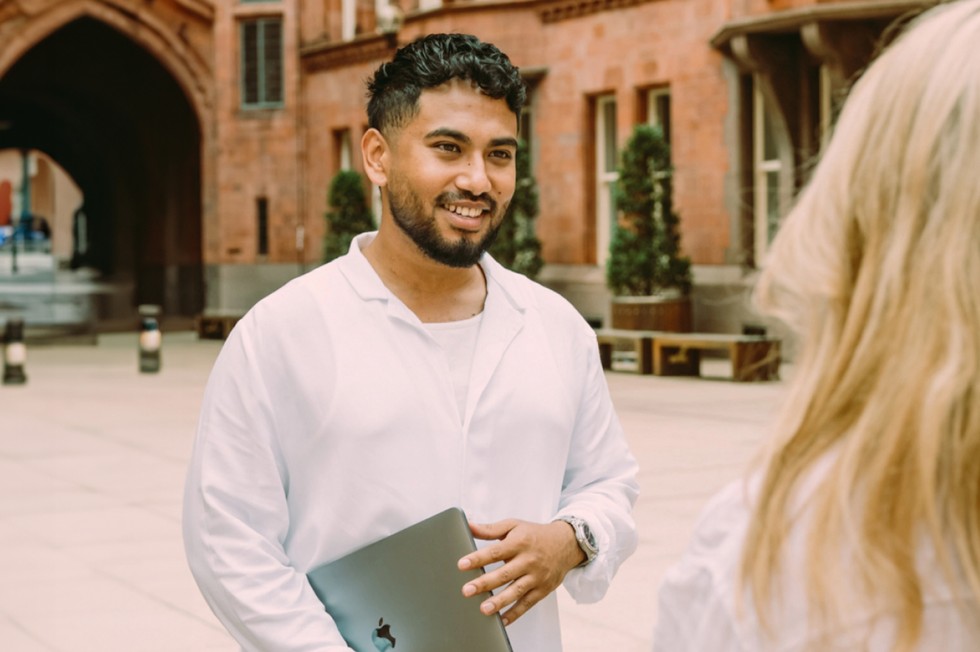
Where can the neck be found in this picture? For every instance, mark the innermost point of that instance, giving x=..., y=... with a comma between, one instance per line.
x=433, y=291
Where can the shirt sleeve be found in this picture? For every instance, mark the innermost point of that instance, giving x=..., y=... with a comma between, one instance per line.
x=696, y=599
x=236, y=516
x=599, y=484
x=691, y=616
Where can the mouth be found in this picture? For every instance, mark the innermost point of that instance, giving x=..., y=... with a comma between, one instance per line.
x=466, y=216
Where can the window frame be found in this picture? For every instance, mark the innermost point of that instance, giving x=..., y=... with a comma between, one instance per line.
x=343, y=144
x=261, y=63
x=654, y=106
x=605, y=179
x=348, y=19
x=763, y=167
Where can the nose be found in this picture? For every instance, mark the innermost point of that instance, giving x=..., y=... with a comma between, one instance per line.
x=473, y=177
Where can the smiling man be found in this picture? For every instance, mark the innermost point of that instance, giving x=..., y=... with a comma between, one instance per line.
x=412, y=375
x=474, y=161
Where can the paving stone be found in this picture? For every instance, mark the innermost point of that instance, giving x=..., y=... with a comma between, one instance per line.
x=92, y=457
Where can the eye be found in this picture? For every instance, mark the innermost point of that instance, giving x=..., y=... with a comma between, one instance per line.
x=447, y=147
x=502, y=154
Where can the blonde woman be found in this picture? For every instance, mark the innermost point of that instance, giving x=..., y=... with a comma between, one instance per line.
x=861, y=530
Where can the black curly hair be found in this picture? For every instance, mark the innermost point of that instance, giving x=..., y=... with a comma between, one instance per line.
x=433, y=60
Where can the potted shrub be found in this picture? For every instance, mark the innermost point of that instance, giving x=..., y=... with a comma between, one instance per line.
x=649, y=279
x=517, y=246
x=349, y=214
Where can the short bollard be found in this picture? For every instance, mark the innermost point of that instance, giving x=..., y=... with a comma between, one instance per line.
x=14, y=353
x=151, y=339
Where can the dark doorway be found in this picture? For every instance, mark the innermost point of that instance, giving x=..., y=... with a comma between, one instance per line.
x=116, y=120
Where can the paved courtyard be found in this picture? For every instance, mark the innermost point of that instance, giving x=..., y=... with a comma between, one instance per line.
x=92, y=459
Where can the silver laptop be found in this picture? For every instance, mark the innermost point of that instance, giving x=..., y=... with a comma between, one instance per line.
x=404, y=592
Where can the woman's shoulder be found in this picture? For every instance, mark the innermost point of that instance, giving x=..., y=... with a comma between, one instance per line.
x=697, y=604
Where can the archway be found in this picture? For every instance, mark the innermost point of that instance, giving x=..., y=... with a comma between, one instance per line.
x=119, y=123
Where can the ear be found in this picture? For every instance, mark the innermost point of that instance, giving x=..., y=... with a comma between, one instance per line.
x=375, y=153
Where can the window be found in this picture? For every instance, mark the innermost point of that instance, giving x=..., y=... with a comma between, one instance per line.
x=658, y=115
x=607, y=160
x=831, y=99
x=358, y=17
x=342, y=146
x=262, y=63
x=348, y=19
x=658, y=110
x=768, y=169
x=527, y=121
x=525, y=129
x=262, y=230
x=525, y=126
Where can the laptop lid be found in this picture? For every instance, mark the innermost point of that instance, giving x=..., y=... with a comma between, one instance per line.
x=404, y=592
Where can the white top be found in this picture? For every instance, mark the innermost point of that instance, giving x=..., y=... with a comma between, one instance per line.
x=457, y=339
x=328, y=422
x=697, y=610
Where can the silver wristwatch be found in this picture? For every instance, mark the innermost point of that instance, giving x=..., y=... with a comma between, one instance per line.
x=584, y=536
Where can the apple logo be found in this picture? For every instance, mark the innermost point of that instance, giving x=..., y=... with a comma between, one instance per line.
x=382, y=638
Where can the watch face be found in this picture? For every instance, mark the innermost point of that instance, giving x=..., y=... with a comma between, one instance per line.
x=584, y=536
x=587, y=531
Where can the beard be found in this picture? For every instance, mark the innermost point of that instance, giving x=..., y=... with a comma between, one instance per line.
x=408, y=213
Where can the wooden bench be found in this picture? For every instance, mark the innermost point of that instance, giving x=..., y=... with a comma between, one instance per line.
x=216, y=325
x=639, y=342
x=663, y=353
x=753, y=357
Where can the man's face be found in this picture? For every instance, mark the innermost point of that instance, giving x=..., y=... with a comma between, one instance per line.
x=452, y=172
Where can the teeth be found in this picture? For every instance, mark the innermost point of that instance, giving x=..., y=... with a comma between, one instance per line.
x=465, y=212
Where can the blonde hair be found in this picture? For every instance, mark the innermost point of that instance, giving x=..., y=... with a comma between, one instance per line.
x=877, y=268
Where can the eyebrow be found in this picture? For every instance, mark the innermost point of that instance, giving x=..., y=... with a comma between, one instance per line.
x=446, y=132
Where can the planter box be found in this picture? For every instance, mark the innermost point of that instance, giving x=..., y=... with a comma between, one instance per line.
x=652, y=314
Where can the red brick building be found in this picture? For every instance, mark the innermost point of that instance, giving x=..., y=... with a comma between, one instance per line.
x=204, y=135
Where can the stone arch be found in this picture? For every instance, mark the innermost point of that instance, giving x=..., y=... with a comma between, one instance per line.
x=153, y=187
x=185, y=64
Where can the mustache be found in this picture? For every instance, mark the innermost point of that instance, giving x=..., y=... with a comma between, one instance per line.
x=453, y=197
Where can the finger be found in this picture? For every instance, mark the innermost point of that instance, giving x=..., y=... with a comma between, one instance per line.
x=514, y=593
x=501, y=551
x=498, y=530
x=521, y=607
x=494, y=579
x=484, y=557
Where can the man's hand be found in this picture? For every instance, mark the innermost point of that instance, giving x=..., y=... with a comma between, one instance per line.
x=536, y=558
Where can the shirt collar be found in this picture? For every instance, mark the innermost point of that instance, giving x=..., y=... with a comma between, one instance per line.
x=368, y=285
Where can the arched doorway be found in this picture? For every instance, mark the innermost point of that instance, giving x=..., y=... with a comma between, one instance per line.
x=117, y=121
x=54, y=197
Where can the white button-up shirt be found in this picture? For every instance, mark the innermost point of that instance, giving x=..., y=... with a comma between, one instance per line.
x=329, y=421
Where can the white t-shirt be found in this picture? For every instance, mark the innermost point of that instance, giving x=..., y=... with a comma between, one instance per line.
x=458, y=341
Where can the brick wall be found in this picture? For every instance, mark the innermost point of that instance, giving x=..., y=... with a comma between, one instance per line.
x=617, y=51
